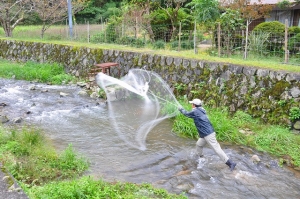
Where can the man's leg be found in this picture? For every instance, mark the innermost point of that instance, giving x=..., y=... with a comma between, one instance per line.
x=212, y=141
x=199, y=146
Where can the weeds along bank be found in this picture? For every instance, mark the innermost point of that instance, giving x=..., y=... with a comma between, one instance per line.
x=262, y=93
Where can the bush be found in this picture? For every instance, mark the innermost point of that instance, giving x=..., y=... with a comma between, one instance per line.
x=293, y=30
x=185, y=44
x=125, y=40
x=275, y=28
x=294, y=44
x=160, y=44
x=276, y=34
x=139, y=43
x=98, y=38
x=294, y=113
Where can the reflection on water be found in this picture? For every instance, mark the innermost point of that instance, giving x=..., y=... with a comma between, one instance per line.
x=168, y=161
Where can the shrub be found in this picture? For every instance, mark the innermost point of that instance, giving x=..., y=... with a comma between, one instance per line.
x=294, y=113
x=125, y=40
x=160, y=44
x=98, y=38
x=276, y=34
x=258, y=42
x=139, y=43
x=293, y=30
x=294, y=44
x=185, y=44
x=275, y=28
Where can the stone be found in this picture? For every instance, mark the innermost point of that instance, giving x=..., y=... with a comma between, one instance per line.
x=3, y=119
x=62, y=94
x=17, y=120
x=255, y=159
x=296, y=125
x=82, y=93
x=295, y=92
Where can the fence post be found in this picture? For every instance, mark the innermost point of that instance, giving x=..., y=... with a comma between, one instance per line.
x=219, y=39
x=179, y=38
x=195, y=38
x=88, y=31
x=246, y=42
x=136, y=27
x=67, y=33
x=123, y=28
x=286, y=51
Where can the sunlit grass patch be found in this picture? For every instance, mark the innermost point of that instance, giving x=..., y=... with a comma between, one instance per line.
x=88, y=187
x=32, y=71
x=32, y=160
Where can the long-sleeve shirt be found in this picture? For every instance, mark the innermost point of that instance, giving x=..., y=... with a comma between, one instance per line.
x=201, y=120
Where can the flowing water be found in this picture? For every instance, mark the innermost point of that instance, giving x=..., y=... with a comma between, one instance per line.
x=168, y=162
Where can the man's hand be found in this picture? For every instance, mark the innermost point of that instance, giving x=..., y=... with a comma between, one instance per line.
x=180, y=108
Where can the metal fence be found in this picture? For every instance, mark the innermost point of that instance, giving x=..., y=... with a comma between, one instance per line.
x=284, y=47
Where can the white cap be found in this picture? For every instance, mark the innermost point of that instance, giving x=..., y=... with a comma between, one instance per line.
x=197, y=102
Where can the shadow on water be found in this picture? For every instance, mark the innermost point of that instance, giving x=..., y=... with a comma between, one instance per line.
x=169, y=161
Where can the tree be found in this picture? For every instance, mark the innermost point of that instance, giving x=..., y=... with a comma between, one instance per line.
x=172, y=9
x=53, y=11
x=205, y=11
x=97, y=11
x=138, y=12
x=12, y=12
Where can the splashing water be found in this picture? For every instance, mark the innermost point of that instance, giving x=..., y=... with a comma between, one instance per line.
x=153, y=102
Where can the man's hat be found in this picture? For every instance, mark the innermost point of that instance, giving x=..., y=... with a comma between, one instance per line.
x=197, y=102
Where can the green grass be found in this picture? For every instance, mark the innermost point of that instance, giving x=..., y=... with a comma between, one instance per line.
x=44, y=173
x=32, y=71
x=88, y=187
x=274, y=139
x=31, y=159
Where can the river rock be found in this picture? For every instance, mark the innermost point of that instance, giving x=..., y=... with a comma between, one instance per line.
x=296, y=126
x=255, y=159
x=62, y=94
x=17, y=120
x=82, y=93
x=3, y=119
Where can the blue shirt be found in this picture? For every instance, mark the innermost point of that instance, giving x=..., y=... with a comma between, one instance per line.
x=201, y=120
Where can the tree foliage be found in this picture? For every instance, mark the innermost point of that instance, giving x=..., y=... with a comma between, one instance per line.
x=249, y=11
x=53, y=11
x=205, y=11
x=12, y=13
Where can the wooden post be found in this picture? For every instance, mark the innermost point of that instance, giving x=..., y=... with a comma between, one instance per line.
x=179, y=38
x=122, y=28
x=286, y=51
x=136, y=27
x=219, y=39
x=195, y=39
x=88, y=32
x=246, y=42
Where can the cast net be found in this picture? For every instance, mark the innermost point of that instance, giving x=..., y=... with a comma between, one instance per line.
x=137, y=103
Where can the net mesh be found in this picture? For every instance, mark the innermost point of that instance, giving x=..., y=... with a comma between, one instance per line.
x=137, y=103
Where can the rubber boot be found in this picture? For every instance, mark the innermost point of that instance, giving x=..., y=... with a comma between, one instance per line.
x=230, y=164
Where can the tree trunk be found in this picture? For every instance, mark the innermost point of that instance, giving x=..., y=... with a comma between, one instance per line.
x=7, y=29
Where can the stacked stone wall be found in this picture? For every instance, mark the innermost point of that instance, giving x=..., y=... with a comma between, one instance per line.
x=262, y=93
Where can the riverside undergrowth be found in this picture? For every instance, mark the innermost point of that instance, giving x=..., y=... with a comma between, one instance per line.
x=31, y=71
x=242, y=129
x=44, y=173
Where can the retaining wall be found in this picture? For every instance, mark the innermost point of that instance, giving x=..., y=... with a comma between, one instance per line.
x=260, y=92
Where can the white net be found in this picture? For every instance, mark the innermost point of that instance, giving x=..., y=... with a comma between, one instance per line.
x=137, y=103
